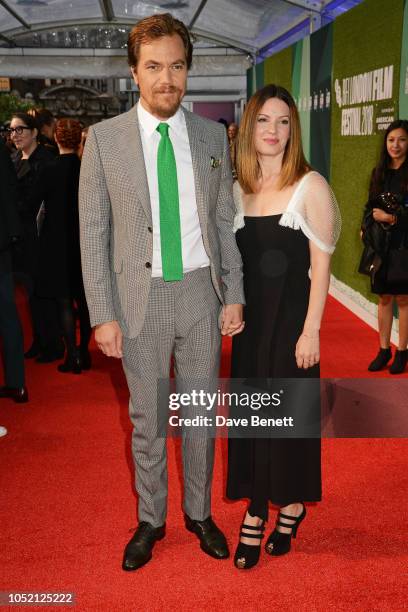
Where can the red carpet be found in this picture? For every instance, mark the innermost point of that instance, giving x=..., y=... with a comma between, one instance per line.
x=67, y=506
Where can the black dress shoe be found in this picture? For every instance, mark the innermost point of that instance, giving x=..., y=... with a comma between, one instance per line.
x=212, y=540
x=18, y=394
x=138, y=550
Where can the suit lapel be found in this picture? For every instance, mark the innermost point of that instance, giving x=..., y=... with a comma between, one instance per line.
x=131, y=151
x=200, y=157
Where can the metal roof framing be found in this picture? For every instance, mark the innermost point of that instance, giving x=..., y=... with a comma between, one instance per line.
x=12, y=12
x=107, y=10
x=197, y=13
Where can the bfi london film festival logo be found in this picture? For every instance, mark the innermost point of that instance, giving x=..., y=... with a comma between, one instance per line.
x=362, y=94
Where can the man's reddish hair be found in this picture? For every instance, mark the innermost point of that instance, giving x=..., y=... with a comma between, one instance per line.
x=155, y=27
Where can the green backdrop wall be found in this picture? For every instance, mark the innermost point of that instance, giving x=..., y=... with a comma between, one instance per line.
x=348, y=85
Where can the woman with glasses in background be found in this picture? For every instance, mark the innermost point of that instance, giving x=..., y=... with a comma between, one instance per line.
x=30, y=157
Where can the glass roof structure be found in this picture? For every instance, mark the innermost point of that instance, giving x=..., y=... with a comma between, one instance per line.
x=257, y=27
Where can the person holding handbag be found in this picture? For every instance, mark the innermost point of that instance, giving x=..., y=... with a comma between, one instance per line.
x=386, y=217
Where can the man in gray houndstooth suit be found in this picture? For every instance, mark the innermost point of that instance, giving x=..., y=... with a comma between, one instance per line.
x=139, y=311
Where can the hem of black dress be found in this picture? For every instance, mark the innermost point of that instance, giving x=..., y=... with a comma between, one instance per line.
x=281, y=503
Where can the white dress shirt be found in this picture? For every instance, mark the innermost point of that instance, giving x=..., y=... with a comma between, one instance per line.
x=192, y=246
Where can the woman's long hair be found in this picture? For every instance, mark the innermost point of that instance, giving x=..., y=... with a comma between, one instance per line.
x=378, y=175
x=294, y=164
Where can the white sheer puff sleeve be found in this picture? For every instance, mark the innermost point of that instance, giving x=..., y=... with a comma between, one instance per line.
x=239, y=216
x=313, y=209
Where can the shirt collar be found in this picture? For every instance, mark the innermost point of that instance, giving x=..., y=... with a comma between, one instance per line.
x=149, y=123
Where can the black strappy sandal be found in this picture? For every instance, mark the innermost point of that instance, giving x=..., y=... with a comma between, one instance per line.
x=279, y=543
x=246, y=555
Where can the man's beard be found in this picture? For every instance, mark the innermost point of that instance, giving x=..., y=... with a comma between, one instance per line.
x=166, y=108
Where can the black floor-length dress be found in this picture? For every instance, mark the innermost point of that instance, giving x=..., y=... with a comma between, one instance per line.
x=276, y=279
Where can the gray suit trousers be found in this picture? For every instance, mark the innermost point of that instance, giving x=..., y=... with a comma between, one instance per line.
x=181, y=320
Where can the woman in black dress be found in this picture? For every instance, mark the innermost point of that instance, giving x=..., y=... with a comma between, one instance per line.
x=288, y=223
x=59, y=270
x=391, y=176
x=29, y=159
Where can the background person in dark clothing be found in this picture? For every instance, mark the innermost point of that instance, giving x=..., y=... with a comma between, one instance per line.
x=85, y=131
x=29, y=159
x=232, y=132
x=46, y=127
x=59, y=273
x=10, y=327
x=390, y=176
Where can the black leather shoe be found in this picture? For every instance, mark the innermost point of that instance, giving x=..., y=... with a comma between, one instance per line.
x=212, y=540
x=18, y=394
x=138, y=550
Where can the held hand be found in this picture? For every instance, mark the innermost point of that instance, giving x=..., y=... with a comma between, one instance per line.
x=381, y=216
x=307, y=350
x=108, y=337
x=231, y=318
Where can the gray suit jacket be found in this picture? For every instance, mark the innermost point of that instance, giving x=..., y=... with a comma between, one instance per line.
x=116, y=219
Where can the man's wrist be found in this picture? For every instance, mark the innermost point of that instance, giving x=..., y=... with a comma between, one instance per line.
x=99, y=325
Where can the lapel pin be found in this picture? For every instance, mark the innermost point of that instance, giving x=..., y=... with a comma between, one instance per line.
x=215, y=163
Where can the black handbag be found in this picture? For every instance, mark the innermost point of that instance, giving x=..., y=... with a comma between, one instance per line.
x=366, y=261
x=397, y=266
x=374, y=238
x=370, y=262
x=388, y=202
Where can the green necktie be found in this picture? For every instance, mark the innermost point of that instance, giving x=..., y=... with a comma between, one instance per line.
x=170, y=233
